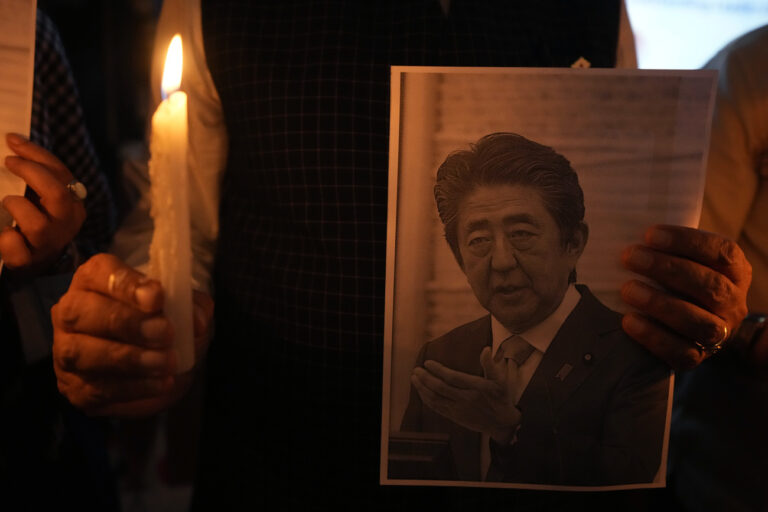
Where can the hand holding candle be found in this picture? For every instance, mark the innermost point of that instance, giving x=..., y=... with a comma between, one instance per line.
x=113, y=348
x=170, y=253
x=123, y=341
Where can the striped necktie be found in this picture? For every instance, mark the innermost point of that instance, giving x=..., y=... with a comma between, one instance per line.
x=516, y=349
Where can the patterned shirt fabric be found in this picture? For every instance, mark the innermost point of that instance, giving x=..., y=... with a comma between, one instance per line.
x=58, y=125
x=51, y=455
x=294, y=375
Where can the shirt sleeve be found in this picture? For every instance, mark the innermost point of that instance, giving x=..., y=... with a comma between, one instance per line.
x=626, y=53
x=739, y=134
x=207, y=148
x=58, y=124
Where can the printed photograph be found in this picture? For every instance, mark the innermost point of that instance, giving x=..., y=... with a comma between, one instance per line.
x=505, y=361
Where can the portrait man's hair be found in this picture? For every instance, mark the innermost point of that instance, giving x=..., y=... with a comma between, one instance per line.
x=509, y=159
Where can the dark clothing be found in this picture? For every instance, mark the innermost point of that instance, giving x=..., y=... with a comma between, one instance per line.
x=712, y=471
x=51, y=455
x=293, y=407
x=601, y=422
x=58, y=126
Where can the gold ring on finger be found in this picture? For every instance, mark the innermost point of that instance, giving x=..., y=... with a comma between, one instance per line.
x=77, y=189
x=716, y=346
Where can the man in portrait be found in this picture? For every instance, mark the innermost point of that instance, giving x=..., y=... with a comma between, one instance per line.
x=546, y=388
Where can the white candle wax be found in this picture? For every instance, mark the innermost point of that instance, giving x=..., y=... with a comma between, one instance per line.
x=170, y=253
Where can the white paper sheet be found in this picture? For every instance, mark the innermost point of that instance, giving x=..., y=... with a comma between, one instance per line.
x=17, y=59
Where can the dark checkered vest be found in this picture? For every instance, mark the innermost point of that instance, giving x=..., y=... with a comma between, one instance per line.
x=294, y=383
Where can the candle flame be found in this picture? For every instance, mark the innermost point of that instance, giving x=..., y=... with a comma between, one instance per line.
x=172, y=71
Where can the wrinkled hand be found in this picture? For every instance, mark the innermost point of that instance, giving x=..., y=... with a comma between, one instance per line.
x=705, y=279
x=112, y=350
x=43, y=230
x=480, y=404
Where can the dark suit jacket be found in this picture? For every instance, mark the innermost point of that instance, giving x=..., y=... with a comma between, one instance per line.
x=601, y=424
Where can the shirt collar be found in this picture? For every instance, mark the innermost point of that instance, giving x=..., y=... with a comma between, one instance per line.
x=541, y=335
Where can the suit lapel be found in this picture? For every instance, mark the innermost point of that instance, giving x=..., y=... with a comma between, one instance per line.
x=572, y=356
x=465, y=357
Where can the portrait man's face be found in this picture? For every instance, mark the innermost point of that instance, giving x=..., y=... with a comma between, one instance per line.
x=512, y=253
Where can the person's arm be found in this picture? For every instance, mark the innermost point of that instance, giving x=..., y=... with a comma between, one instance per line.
x=112, y=343
x=738, y=151
x=626, y=52
x=736, y=141
x=58, y=124
x=207, y=149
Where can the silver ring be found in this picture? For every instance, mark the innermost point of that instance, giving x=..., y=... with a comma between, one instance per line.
x=77, y=189
x=714, y=348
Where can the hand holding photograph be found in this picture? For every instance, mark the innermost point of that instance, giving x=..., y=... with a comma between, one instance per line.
x=504, y=366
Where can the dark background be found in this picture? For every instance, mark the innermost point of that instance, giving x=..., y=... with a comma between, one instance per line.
x=109, y=46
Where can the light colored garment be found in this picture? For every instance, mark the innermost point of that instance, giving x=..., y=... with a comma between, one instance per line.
x=718, y=451
x=736, y=191
x=207, y=148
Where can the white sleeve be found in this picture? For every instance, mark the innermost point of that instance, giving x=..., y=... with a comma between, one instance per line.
x=626, y=53
x=738, y=141
x=207, y=148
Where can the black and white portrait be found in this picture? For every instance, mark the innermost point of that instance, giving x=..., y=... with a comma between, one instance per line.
x=508, y=364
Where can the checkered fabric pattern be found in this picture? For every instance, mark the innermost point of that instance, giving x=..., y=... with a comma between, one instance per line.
x=51, y=455
x=293, y=411
x=58, y=125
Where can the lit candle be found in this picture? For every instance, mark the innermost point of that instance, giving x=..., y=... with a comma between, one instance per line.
x=170, y=257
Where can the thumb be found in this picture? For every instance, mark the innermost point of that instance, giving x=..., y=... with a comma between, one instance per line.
x=493, y=370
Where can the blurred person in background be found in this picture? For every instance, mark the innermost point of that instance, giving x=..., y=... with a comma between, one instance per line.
x=719, y=457
x=50, y=453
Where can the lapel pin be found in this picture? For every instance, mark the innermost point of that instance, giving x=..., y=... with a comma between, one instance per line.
x=563, y=372
x=588, y=358
x=581, y=62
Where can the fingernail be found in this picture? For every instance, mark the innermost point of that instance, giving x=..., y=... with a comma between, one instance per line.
x=634, y=326
x=154, y=361
x=154, y=329
x=16, y=139
x=637, y=293
x=660, y=238
x=146, y=296
x=640, y=258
